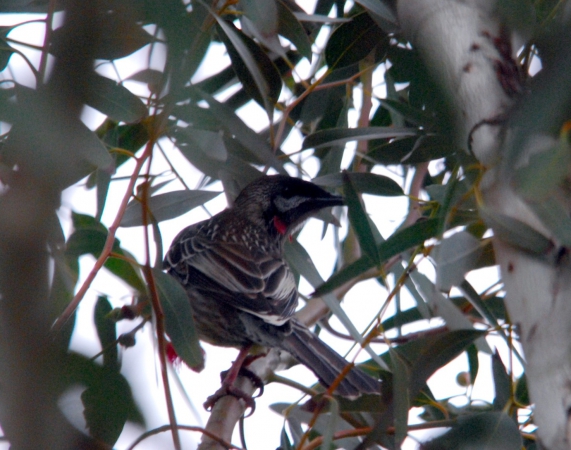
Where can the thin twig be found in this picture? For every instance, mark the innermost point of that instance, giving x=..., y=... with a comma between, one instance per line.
x=158, y=310
x=70, y=309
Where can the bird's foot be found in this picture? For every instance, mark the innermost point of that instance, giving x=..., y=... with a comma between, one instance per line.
x=228, y=388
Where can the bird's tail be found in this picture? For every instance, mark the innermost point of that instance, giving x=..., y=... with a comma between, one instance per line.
x=326, y=363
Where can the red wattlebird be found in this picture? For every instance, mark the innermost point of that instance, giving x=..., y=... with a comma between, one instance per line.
x=242, y=291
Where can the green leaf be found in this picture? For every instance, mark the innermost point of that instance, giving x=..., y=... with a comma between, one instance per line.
x=103, y=181
x=333, y=136
x=380, y=8
x=401, y=318
x=166, y=206
x=114, y=100
x=262, y=22
x=544, y=172
x=107, y=402
x=107, y=333
x=521, y=391
x=473, y=362
x=89, y=238
x=443, y=307
x=491, y=430
x=353, y=41
x=455, y=256
x=554, y=215
x=332, y=425
x=429, y=354
x=179, y=323
x=211, y=143
x=401, y=377
x=6, y=51
x=119, y=36
x=244, y=134
x=255, y=70
x=290, y=28
x=517, y=233
x=391, y=151
x=364, y=183
x=502, y=383
x=399, y=242
x=360, y=221
x=411, y=114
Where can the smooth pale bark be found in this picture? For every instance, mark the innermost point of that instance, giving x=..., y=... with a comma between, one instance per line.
x=457, y=41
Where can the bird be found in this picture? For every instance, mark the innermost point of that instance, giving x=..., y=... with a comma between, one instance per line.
x=242, y=291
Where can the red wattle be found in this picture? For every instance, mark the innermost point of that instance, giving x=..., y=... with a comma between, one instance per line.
x=280, y=226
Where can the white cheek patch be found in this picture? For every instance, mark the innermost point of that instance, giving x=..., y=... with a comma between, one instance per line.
x=286, y=204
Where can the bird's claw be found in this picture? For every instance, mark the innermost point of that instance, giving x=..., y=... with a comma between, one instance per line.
x=228, y=388
x=235, y=392
x=254, y=379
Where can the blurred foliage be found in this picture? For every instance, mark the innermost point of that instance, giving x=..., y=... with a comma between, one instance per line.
x=306, y=89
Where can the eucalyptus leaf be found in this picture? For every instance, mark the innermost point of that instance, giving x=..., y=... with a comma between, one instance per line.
x=342, y=135
x=360, y=221
x=166, y=206
x=179, y=323
x=290, y=27
x=455, y=256
x=114, y=100
x=364, y=183
x=517, y=233
x=490, y=430
x=399, y=242
x=353, y=41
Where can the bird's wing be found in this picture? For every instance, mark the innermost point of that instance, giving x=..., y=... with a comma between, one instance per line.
x=226, y=271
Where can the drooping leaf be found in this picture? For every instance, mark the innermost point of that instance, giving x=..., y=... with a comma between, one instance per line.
x=443, y=307
x=107, y=400
x=538, y=180
x=473, y=362
x=343, y=135
x=401, y=394
x=553, y=214
x=518, y=234
x=399, y=242
x=364, y=183
x=114, y=100
x=521, y=391
x=290, y=28
x=6, y=51
x=244, y=134
x=455, y=256
x=260, y=19
x=166, y=206
x=353, y=41
x=106, y=405
x=103, y=181
x=120, y=36
x=502, y=383
x=431, y=353
x=379, y=8
x=409, y=113
x=89, y=238
x=107, y=333
x=179, y=323
x=253, y=67
x=491, y=430
x=360, y=221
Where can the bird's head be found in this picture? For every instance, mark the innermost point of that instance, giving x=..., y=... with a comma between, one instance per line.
x=283, y=203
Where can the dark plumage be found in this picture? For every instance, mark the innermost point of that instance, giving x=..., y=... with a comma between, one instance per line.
x=241, y=289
